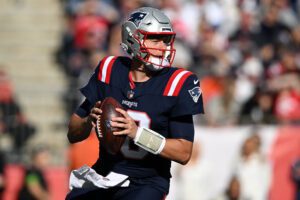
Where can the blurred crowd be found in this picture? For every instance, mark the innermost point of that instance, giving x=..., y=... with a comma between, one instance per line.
x=246, y=52
x=250, y=178
x=13, y=122
x=15, y=126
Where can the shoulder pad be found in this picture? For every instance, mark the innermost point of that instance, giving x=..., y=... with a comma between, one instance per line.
x=105, y=68
x=176, y=81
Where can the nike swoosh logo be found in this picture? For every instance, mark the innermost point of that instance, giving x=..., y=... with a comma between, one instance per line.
x=196, y=81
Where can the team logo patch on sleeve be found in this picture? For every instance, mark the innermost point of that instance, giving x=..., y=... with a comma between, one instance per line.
x=137, y=17
x=195, y=93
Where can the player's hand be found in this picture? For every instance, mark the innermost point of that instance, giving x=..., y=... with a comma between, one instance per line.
x=126, y=123
x=95, y=113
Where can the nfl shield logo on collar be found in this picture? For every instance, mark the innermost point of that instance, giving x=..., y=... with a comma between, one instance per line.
x=130, y=94
x=195, y=93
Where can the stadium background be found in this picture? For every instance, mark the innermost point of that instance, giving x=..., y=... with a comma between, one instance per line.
x=246, y=53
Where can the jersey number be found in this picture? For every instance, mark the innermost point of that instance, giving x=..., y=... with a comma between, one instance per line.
x=129, y=149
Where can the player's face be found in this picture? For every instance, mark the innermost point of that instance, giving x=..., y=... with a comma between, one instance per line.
x=157, y=44
x=157, y=49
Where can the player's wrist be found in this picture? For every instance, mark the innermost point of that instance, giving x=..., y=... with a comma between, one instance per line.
x=149, y=140
x=138, y=134
x=89, y=121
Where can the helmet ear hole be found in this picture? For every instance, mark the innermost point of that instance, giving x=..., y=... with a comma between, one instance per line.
x=130, y=50
x=125, y=48
x=130, y=42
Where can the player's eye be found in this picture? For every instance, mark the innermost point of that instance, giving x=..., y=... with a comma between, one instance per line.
x=155, y=40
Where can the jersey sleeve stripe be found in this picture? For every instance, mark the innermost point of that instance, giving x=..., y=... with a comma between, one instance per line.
x=109, y=68
x=167, y=89
x=175, y=85
x=105, y=69
x=101, y=67
x=180, y=83
x=176, y=81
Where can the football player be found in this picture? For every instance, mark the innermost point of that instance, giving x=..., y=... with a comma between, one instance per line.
x=159, y=102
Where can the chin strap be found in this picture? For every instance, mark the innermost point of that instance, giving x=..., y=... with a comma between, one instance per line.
x=156, y=63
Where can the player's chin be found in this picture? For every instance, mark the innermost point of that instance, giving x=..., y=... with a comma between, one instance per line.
x=157, y=55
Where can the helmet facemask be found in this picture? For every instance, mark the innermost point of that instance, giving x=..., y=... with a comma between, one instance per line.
x=156, y=58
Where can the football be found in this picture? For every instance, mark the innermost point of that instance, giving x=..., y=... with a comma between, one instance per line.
x=112, y=143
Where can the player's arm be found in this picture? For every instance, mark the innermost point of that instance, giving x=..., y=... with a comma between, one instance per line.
x=83, y=120
x=178, y=148
x=181, y=126
x=79, y=128
x=80, y=125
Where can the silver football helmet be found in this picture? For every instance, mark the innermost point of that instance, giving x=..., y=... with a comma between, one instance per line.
x=149, y=23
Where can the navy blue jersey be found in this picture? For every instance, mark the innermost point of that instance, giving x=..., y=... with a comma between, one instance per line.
x=171, y=95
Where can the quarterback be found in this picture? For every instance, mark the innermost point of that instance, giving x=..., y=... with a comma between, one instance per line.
x=159, y=102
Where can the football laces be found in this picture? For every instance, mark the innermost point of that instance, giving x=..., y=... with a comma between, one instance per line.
x=98, y=127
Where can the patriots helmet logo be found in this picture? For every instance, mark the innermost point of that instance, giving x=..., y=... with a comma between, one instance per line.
x=195, y=93
x=137, y=17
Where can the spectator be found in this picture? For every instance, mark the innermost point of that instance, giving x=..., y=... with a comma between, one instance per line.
x=286, y=13
x=223, y=109
x=258, y=109
x=12, y=119
x=90, y=33
x=97, y=8
x=193, y=180
x=271, y=30
x=267, y=56
x=286, y=64
x=248, y=75
x=233, y=191
x=2, y=177
x=209, y=53
x=296, y=177
x=287, y=106
x=35, y=185
x=253, y=170
x=192, y=10
x=296, y=41
x=284, y=79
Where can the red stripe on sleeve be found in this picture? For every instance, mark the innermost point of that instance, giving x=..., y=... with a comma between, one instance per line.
x=101, y=68
x=180, y=83
x=167, y=89
x=109, y=68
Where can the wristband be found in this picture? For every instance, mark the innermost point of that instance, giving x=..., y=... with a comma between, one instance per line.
x=149, y=140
